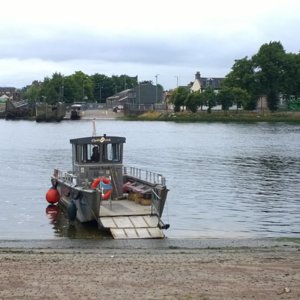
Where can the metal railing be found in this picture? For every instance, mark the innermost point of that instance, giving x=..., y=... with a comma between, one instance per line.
x=148, y=176
x=67, y=177
x=145, y=175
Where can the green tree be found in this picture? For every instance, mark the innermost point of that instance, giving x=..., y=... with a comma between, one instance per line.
x=51, y=90
x=193, y=101
x=291, y=78
x=32, y=92
x=240, y=97
x=78, y=88
x=269, y=64
x=228, y=96
x=270, y=72
x=100, y=87
x=210, y=98
x=225, y=98
x=178, y=98
x=243, y=76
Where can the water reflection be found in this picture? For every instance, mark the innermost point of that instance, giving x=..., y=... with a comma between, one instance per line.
x=52, y=212
x=63, y=227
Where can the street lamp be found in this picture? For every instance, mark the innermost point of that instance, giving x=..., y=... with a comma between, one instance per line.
x=139, y=85
x=156, y=86
x=62, y=89
x=176, y=76
x=100, y=90
x=82, y=89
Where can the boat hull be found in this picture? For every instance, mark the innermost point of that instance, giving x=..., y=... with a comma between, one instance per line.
x=86, y=201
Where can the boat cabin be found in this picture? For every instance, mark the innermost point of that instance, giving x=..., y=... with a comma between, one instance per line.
x=76, y=111
x=97, y=156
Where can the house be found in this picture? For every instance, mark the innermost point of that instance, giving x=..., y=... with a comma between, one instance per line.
x=10, y=93
x=3, y=98
x=202, y=83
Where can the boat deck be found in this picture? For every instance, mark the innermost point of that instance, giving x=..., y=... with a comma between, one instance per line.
x=129, y=220
x=123, y=208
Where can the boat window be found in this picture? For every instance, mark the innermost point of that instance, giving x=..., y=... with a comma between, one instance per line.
x=91, y=153
x=111, y=152
x=94, y=153
x=84, y=153
x=77, y=153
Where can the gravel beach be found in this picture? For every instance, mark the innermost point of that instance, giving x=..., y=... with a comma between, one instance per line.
x=168, y=269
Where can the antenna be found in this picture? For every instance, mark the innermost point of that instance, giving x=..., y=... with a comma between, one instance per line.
x=94, y=128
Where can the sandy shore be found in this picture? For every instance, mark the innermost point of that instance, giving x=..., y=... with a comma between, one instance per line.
x=151, y=270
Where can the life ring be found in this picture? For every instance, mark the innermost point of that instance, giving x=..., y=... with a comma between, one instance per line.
x=105, y=185
x=96, y=182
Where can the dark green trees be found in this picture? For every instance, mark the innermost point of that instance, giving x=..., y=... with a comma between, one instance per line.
x=179, y=97
x=78, y=87
x=271, y=72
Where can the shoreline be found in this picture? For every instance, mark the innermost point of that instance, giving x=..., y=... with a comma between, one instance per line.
x=289, y=117
x=149, y=244
x=152, y=269
x=219, y=117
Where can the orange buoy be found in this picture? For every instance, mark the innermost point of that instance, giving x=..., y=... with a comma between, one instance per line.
x=52, y=196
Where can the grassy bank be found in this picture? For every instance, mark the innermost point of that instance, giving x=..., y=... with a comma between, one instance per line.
x=232, y=116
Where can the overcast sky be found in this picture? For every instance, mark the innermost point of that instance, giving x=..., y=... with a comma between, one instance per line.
x=174, y=39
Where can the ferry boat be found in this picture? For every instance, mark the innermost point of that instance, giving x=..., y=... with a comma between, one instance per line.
x=127, y=201
x=76, y=112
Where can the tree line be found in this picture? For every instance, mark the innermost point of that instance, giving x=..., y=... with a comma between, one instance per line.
x=78, y=87
x=271, y=73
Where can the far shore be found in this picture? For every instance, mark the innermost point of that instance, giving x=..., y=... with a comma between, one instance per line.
x=219, y=116
x=292, y=117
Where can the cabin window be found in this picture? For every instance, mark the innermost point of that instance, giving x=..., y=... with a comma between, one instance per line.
x=91, y=153
x=77, y=153
x=94, y=153
x=87, y=153
x=111, y=152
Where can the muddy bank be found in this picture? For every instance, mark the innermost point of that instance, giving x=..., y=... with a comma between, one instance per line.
x=173, y=270
x=167, y=243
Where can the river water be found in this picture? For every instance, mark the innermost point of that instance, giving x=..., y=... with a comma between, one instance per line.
x=225, y=180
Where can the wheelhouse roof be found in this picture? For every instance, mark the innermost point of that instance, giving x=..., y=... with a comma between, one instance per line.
x=104, y=139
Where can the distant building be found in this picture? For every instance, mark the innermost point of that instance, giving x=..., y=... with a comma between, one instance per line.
x=145, y=93
x=262, y=104
x=9, y=93
x=125, y=96
x=202, y=83
x=3, y=98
